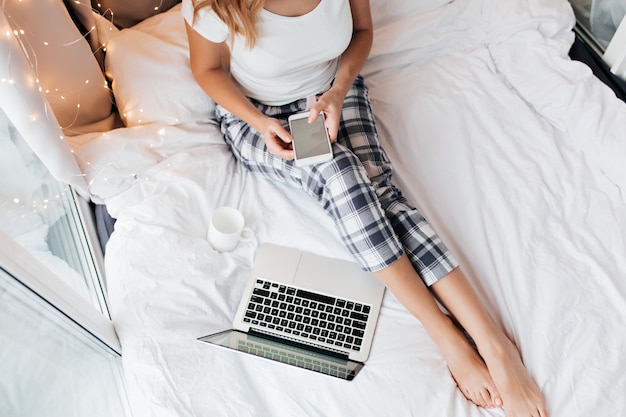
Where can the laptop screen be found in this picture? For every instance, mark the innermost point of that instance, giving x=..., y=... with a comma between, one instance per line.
x=285, y=352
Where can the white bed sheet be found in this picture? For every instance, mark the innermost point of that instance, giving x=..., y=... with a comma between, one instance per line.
x=513, y=152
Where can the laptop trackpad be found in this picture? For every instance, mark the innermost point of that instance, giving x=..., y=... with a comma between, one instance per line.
x=336, y=277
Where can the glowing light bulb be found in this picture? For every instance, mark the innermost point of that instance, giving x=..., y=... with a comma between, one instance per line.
x=16, y=200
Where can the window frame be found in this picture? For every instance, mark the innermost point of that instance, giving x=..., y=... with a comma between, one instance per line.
x=94, y=257
x=25, y=268
x=615, y=53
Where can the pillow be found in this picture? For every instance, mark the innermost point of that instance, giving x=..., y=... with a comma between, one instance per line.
x=151, y=77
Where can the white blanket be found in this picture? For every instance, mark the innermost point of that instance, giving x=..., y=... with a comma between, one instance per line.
x=513, y=152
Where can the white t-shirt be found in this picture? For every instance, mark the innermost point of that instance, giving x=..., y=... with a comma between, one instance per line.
x=293, y=57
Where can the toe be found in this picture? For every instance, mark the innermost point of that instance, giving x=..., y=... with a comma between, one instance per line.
x=479, y=399
x=496, y=398
x=474, y=397
x=485, y=395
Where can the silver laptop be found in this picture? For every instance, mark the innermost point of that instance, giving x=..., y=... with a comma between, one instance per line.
x=306, y=310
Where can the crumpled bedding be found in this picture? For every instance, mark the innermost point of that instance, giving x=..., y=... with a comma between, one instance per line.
x=513, y=152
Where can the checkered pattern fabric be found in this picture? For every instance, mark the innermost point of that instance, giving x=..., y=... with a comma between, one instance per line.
x=375, y=221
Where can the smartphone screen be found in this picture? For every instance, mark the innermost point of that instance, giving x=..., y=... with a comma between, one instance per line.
x=309, y=138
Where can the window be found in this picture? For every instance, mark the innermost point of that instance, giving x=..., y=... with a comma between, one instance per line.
x=46, y=218
x=602, y=23
x=59, y=350
x=600, y=17
x=51, y=366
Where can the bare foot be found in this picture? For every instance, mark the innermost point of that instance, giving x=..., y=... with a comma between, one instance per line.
x=520, y=395
x=470, y=373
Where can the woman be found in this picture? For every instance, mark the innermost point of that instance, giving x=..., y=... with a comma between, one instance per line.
x=264, y=60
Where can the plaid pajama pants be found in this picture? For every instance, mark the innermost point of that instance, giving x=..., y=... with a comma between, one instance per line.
x=375, y=221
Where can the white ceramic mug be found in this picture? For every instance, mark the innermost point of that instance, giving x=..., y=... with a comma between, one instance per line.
x=227, y=228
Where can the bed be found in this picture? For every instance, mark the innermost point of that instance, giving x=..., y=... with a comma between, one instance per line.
x=514, y=152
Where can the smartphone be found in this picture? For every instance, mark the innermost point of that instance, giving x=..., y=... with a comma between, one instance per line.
x=311, y=144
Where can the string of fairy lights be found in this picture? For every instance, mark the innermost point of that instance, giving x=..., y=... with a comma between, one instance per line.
x=29, y=47
x=48, y=197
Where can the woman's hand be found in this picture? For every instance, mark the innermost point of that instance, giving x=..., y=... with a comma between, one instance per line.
x=277, y=138
x=330, y=103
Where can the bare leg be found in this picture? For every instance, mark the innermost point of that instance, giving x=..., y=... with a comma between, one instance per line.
x=467, y=368
x=520, y=395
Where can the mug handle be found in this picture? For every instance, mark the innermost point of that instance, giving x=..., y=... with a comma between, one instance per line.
x=246, y=234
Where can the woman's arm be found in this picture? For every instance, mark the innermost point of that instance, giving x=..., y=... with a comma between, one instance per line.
x=350, y=65
x=208, y=68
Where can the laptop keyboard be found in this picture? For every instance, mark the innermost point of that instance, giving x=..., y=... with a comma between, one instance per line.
x=316, y=317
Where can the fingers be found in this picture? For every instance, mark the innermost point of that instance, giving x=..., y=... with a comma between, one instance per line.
x=276, y=146
x=314, y=113
x=332, y=114
x=277, y=139
x=332, y=125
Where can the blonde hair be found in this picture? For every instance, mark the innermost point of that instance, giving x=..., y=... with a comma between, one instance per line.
x=239, y=15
